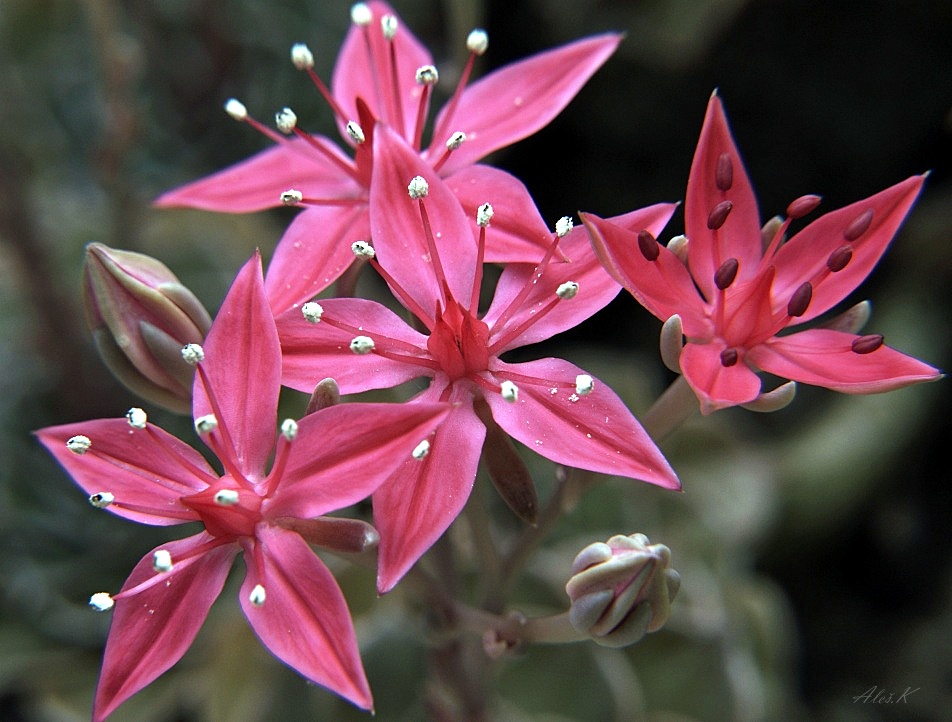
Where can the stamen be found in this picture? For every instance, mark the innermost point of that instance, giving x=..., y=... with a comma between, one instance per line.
x=137, y=418
x=567, y=290
x=355, y=132
x=101, y=499
x=162, y=561
x=719, y=214
x=456, y=140
x=724, y=172
x=509, y=391
x=725, y=275
x=78, y=444
x=101, y=601
x=206, y=424
x=484, y=214
x=729, y=357
x=362, y=345
x=477, y=41
x=800, y=300
x=226, y=497
x=839, y=258
x=360, y=14
x=427, y=75
x=648, y=245
x=257, y=596
x=678, y=245
x=236, y=109
x=312, y=311
x=363, y=250
x=563, y=226
x=584, y=384
x=285, y=120
x=389, y=25
x=803, y=205
x=302, y=57
x=193, y=354
x=867, y=344
x=292, y=197
x=858, y=225
x=418, y=188
x=289, y=429
x=421, y=451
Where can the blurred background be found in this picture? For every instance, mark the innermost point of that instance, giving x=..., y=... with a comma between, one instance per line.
x=813, y=543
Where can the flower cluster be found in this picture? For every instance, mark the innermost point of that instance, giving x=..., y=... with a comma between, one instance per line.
x=427, y=219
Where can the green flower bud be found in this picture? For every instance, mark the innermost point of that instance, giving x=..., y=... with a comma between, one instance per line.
x=140, y=317
x=621, y=589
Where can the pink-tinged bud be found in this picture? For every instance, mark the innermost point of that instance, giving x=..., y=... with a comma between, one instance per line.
x=621, y=589
x=803, y=205
x=719, y=214
x=858, y=225
x=325, y=394
x=725, y=275
x=724, y=172
x=867, y=344
x=648, y=245
x=140, y=317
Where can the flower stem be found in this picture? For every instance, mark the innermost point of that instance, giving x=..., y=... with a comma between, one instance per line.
x=675, y=406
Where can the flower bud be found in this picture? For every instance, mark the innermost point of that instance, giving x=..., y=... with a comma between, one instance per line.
x=140, y=317
x=621, y=589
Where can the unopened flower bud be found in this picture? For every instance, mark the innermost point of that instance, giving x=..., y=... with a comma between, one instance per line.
x=621, y=589
x=140, y=317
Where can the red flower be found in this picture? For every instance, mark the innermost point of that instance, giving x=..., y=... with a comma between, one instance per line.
x=327, y=461
x=431, y=256
x=734, y=297
x=384, y=74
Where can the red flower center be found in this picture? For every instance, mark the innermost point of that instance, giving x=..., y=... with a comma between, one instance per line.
x=459, y=342
x=227, y=509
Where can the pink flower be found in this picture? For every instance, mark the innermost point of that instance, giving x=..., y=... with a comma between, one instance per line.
x=384, y=74
x=734, y=297
x=327, y=461
x=430, y=253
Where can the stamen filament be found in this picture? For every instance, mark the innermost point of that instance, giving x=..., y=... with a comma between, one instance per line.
x=454, y=101
x=344, y=165
x=510, y=333
x=324, y=91
x=478, y=275
x=391, y=342
x=180, y=564
x=394, y=81
x=434, y=253
x=224, y=453
x=517, y=302
x=179, y=459
x=277, y=469
x=421, y=116
x=264, y=130
x=404, y=297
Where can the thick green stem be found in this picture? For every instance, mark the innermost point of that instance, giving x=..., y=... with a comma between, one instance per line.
x=675, y=406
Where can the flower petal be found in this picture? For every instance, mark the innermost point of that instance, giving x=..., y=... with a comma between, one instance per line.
x=718, y=386
x=153, y=628
x=515, y=101
x=593, y=431
x=303, y=619
x=825, y=358
x=146, y=470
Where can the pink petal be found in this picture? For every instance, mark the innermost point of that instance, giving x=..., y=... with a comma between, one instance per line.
x=243, y=367
x=304, y=620
x=718, y=386
x=312, y=352
x=663, y=286
x=363, y=70
x=421, y=499
x=825, y=358
x=146, y=470
x=748, y=317
x=343, y=453
x=313, y=252
x=257, y=182
x=152, y=629
x=515, y=101
x=595, y=431
x=740, y=236
x=804, y=257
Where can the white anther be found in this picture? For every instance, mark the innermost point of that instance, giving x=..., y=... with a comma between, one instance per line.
x=456, y=140
x=355, y=132
x=286, y=120
x=226, y=497
x=193, y=354
x=567, y=290
x=289, y=429
x=584, y=384
x=362, y=345
x=78, y=444
x=257, y=596
x=206, y=424
x=312, y=311
x=236, y=109
x=137, y=418
x=360, y=14
x=484, y=214
x=101, y=499
x=509, y=391
x=301, y=56
x=477, y=41
x=101, y=602
x=291, y=197
x=679, y=247
x=427, y=75
x=389, y=25
x=563, y=226
x=421, y=451
x=363, y=250
x=418, y=187
x=162, y=561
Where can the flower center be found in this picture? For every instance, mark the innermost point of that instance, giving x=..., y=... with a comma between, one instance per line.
x=459, y=342
x=227, y=509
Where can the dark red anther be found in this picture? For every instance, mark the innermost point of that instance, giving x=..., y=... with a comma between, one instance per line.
x=724, y=172
x=799, y=207
x=867, y=344
x=800, y=300
x=648, y=245
x=719, y=214
x=858, y=225
x=839, y=258
x=729, y=357
x=725, y=275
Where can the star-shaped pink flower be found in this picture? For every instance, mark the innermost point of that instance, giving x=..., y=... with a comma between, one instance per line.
x=734, y=297
x=384, y=74
x=327, y=461
x=431, y=255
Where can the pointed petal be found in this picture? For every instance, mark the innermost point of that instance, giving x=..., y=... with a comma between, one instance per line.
x=304, y=620
x=421, y=499
x=748, y=318
x=332, y=466
x=825, y=358
x=152, y=629
x=258, y=182
x=663, y=286
x=363, y=70
x=243, y=367
x=312, y=352
x=740, y=236
x=398, y=231
x=515, y=101
x=146, y=470
x=594, y=431
x=718, y=386
x=804, y=257
x=313, y=252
